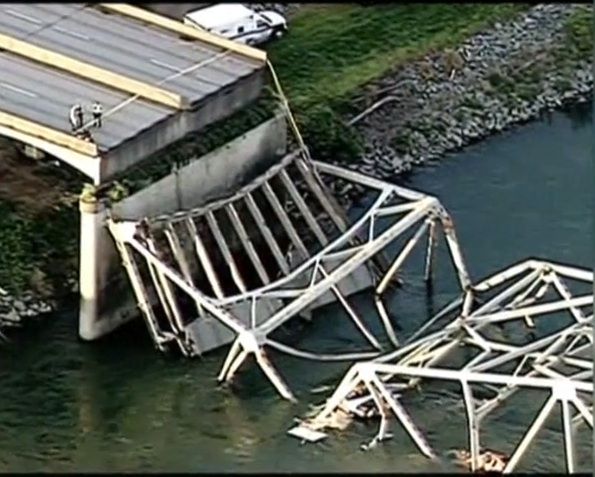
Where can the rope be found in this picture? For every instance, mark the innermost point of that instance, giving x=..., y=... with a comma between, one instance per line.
x=358, y=355
x=288, y=112
x=126, y=102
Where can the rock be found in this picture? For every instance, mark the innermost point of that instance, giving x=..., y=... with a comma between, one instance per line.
x=437, y=114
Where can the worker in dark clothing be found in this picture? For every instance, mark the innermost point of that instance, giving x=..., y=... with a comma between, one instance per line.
x=76, y=117
x=97, y=110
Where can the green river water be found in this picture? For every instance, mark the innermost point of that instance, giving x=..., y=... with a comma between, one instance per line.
x=118, y=405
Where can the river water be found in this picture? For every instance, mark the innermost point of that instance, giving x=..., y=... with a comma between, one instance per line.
x=118, y=405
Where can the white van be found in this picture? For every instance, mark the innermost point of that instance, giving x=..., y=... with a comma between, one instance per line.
x=237, y=22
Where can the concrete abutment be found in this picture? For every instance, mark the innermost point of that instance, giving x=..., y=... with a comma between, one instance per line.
x=106, y=300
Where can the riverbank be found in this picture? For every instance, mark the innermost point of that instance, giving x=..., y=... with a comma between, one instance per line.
x=492, y=81
x=504, y=73
x=38, y=234
x=330, y=52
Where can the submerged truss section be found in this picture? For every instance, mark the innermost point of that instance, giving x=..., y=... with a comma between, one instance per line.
x=239, y=268
x=527, y=327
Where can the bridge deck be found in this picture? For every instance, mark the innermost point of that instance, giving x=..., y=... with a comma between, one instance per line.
x=153, y=76
x=45, y=95
x=124, y=45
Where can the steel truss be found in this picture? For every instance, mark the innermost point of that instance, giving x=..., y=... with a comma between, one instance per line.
x=318, y=260
x=558, y=362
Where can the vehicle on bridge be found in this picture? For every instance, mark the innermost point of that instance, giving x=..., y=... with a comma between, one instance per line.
x=238, y=23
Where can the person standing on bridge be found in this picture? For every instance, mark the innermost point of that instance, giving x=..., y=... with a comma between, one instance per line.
x=76, y=117
x=97, y=110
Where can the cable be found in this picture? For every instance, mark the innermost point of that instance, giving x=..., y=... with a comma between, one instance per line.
x=133, y=98
x=127, y=101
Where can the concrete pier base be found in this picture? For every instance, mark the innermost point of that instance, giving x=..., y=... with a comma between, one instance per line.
x=104, y=305
x=106, y=298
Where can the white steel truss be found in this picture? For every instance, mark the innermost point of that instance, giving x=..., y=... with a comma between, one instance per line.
x=557, y=358
x=171, y=260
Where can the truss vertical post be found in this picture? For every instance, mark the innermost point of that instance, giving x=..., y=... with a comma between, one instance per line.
x=472, y=425
x=266, y=233
x=204, y=259
x=178, y=253
x=303, y=208
x=569, y=450
x=530, y=434
x=225, y=251
x=430, y=251
x=247, y=243
x=142, y=296
x=285, y=221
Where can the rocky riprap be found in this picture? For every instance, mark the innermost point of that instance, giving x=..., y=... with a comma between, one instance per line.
x=12, y=310
x=448, y=100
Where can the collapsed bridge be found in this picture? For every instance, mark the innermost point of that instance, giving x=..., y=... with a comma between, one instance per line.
x=529, y=327
x=310, y=253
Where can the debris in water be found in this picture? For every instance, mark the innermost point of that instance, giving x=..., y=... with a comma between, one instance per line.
x=556, y=359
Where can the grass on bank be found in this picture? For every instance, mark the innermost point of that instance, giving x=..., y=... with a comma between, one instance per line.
x=330, y=52
x=579, y=34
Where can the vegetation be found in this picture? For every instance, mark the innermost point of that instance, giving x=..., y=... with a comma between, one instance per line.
x=579, y=34
x=34, y=247
x=330, y=52
x=184, y=151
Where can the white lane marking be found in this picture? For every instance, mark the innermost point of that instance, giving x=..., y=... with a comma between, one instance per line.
x=19, y=90
x=165, y=65
x=23, y=16
x=71, y=33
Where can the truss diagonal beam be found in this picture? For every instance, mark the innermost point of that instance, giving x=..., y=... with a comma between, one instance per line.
x=544, y=363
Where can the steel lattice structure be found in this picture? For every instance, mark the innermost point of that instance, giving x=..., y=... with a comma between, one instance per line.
x=558, y=359
x=168, y=260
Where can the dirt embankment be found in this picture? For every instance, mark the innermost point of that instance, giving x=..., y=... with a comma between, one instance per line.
x=38, y=228
x=33, y=186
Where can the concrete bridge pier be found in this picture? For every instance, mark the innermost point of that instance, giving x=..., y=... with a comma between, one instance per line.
x=91, y=214
x=102, y=307
x=106, y=298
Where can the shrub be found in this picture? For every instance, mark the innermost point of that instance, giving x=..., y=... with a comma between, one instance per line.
x=328, y=137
